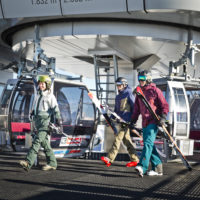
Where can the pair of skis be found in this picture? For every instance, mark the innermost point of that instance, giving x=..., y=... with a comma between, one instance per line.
x=141, y=95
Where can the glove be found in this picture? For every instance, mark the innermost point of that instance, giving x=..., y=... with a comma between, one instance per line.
x=132, y=124
x=112, y=117
x=31, y=115
x=112, y=120
x=119, y=121
x=162, y=119
x=54, y=129
x=59, y=122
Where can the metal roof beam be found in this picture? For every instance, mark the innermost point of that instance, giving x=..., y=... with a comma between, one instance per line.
x=146, y=62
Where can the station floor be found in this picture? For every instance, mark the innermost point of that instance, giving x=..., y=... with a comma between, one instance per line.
x=84, y=179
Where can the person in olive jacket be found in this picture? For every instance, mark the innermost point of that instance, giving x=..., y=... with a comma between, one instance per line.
x=45, y=106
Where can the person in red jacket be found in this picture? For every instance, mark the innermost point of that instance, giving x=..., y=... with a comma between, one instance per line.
x=150, y=128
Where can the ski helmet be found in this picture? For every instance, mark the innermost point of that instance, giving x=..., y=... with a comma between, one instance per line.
x=46, y=79
x=144, y=76
x=121, y=81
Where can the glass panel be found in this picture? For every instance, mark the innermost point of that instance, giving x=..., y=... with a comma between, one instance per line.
x=181, y=107
x=5, y=98
x=76, y=108
x=1, y=88
x=64, y=108
x=5, y=101
x=88, y=109
x=73, y=95
x=181, y=129
x=195, y=115
x=76, y=103
x=23, y=100
x=181, y=116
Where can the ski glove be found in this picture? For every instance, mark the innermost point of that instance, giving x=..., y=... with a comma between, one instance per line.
x=115, y=120
x=162, y=119
x=55, y=129
x=31, y=115
x=59, y=123
x=112, y=117
x=132, y=124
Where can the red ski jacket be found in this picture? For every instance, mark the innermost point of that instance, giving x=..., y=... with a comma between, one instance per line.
x=157, y=101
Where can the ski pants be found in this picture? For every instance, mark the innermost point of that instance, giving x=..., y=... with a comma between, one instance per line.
x=123, y=135
x=149, y=152
x=41, y=140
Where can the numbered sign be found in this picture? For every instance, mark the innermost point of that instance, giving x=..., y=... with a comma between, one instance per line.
x=92, y=6
x=30, y=8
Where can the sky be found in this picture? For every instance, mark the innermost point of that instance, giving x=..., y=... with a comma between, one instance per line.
x=90, y=83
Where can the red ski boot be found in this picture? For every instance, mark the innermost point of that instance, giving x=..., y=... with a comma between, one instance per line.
x=132, y=164
x=106, y=161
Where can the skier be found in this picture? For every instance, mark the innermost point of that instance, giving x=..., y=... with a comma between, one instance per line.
x=150, y=128
x=46, y=106
x=124, y=103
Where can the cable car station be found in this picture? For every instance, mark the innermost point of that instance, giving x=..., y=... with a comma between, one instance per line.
x=84, y=46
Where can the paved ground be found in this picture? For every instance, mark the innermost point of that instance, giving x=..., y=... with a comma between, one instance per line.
x=90, y=179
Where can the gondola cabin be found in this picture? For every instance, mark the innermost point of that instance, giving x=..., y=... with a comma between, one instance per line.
x=184, y=103
x=77, y=111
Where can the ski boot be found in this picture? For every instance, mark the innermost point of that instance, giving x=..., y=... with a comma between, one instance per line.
x=48, y=167
x=106, y=161
x=139, y=170
x=132, y=164
x=24, y=164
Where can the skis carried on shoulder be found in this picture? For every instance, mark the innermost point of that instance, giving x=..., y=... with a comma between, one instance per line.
x=141, y=95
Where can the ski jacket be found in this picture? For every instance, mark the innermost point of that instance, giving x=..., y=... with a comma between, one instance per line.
x=124, y=104
x=157, y=101
x=46, y=107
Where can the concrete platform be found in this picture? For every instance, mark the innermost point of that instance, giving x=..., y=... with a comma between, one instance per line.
x=90, y=179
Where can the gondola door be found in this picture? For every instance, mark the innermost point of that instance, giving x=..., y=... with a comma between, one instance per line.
x=21, y=103
x=179, y=114
x=78, y=116
x=4, y=111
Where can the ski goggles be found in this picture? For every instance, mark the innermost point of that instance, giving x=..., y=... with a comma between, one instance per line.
x=142, y=78
x=119, y=83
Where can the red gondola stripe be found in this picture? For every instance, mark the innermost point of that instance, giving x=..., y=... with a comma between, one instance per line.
x=20, y=127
